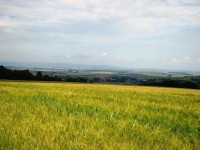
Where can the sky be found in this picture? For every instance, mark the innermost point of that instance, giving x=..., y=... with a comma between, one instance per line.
x=151, y=34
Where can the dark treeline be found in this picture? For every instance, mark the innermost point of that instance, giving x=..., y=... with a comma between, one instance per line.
x=24, y=75
x=174, y=83
x=163, y=82
x=76, y=79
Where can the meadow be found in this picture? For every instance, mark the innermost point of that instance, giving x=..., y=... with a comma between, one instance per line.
x=47, y=115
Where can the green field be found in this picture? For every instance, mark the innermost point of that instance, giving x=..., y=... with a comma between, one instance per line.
x=39, y=115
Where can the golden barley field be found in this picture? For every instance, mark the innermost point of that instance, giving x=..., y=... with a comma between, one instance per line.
x=47, y=115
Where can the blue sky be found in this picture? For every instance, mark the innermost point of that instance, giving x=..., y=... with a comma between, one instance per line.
x=153, y=34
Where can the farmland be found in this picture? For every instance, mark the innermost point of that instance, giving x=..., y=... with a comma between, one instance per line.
x=50, y=115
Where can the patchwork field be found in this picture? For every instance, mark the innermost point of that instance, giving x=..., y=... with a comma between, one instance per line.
x=39, y=115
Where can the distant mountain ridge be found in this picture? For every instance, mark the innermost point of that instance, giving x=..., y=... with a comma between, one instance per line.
x=59, y=65
x=41, y=65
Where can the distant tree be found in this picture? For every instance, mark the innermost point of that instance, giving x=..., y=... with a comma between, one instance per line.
x=27, y=75
x=39, y=75
x=46, y=78
x=4, y=72
x=16, y=74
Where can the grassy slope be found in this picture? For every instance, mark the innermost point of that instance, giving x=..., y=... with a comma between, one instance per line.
x=91, y=116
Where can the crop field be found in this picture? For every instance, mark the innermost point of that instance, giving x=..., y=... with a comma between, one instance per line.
x=42, y=115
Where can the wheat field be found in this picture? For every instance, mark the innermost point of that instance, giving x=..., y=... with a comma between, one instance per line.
x=41, y=115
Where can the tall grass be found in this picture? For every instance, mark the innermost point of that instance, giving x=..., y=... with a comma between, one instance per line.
x=91, y=116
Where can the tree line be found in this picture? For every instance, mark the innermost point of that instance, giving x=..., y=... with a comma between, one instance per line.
x=173, y=83
x=24, y=75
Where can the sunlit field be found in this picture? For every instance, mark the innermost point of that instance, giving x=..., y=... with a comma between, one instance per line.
x=39, y=115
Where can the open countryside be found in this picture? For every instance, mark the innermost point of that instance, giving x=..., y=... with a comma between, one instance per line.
x=53, y=115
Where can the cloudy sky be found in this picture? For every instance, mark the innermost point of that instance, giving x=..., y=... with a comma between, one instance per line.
x=162, y=34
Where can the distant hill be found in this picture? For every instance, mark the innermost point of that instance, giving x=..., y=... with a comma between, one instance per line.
x=144, y=71
x=59, y=65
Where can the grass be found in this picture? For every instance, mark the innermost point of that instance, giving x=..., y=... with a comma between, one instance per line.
x=36, y=115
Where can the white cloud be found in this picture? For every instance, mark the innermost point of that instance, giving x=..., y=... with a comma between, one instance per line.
x=182, y=60
x=135, y=15
x=6, y=21
x=68, y=56
x=174, y=61
x=163, y=42
x=198, y=60
x=104, y=54
x=187, y=59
